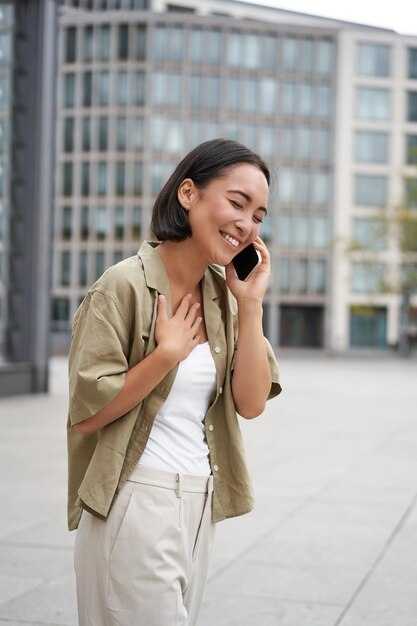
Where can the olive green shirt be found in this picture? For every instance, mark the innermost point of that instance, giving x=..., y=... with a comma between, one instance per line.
x=113, y=330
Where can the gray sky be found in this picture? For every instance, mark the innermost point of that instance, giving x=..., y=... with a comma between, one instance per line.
x=399, y=15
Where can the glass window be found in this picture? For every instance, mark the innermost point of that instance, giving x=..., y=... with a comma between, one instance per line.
x=196, y=45
x=101, y=222
x=320, y=232
x=284, y=229
x=307, y=54
x=68, y=134
x=372, y=103
x=104, y=43
x=324, y=93
x=324, y=56
x=157, y=177
x=3, y=139
x=318, y=278
x=411, y=155
x=159, y=39
x=214, y=47
x=301, y=275
x=289, y=54
x=412, y=62
x=102, y=133
x=70, y=44
x=286, y=185
x=119, y=222
x=99, y=263
x=321, y=188
x=139, y=90
x=121, y=133
x=232, y=130
x=252, y=52
x=374, y=59
x=270, y=52
x=371, y=147
x=250, y=99
x=87, y=89
x=305, y=99
x=88, y=43
x=321, y=145
x=175, y=90
x=69, y=90
x=123, y=42
x=268, y=95
x=137, y=222
x=195, y=133
x=67, y=223
x=232, y=93
x=174, y=136
x=302, y=231
x=60, y=313
x=266, y=141
x=367, y=277
x=304, y=187
x=370, y=190
x=140, y=42
x=117, y=256
x=212, y=130
x=176, y=47
x=412, y=106
x=86, y=134
x=101, y=178
x=213, y=92
x=5, y=42
x=65, y=268
x=85, y=178
x=138, y=178
x=249, y=135
x=369, y=234
x=120, y=178
x=103, y=88
x=411, y=192
x=234, y=49
x=84, y=223
x=303, y=142
x=67, y=179
x=288, y=98
x=137, y=135
x=122, y=88
x=83, y=269
x=284, y=274
x=157, y=133
x=195, y=91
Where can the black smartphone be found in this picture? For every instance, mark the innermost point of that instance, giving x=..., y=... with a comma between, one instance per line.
x=246, y=262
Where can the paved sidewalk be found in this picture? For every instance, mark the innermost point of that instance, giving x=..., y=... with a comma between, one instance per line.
x=332, y=540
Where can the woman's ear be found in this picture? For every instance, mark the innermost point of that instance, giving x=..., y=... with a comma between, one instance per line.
x=186, y=193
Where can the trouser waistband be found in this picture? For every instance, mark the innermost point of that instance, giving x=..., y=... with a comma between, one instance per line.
x=171, y=480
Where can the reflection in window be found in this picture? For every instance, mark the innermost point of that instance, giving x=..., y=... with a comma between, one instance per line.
x=371, y=147
x=268, y=94
x=69, y=90
x=121, y=133
x=176, y=47
x=324, y=56
x=284, y=229
x=87, y=89
x=369, y=234
x=123, y=42
x=286, y=185
x=86, y=134
x=101, y=222
x=233, y=50
x=249, y=138
x=140, y=40
x=284, y=274
x=318, y=278
x=137, y=135
x=321, y=150
x=84, y=223
x=102, y=134
x=270, y=52
x=122, y=88
x=372, y=103
x=411, y=155
x=157, y=177
x=120, y=178
x=374, y=59
x=159, y=39
x=288, y=98
x=68, y=134
x=85, y=178
x=83, y=269
x=412, y=63
x=196, y=45
x=101, y=178
x=250, y=95
x=287, y=142
x=104, y=43
x=410, y=192
x=99, y=263
x=289, y=54
x=231, y=129
x=302, y=231
x=119, y=222
x=65, y=268
x=214, y=48
x=139, y=90
x=88, y=43
x=137, y=222
x=367, y=277
x=195, y=91
x=266, y=141
x=320, y=236
x=412, y=106
x=70, y=44
x=213, y=92
x=323, y=100
x=370, y=190
x=305, y=99
x=303, y=142
x=252, y=52
x=321, y=189
x=137, y=178
x=301, y=275
x=66, y=223
x=232, y=94
x=67, y=179
x=103, y=88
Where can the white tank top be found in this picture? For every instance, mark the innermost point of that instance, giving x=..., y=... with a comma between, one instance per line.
x=177, y=441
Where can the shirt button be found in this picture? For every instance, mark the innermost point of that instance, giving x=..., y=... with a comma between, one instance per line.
x=217, y=349
x=211, y=427
x=220, y=389
x=216, y=468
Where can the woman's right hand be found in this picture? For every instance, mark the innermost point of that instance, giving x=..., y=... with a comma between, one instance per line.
x=177, y=336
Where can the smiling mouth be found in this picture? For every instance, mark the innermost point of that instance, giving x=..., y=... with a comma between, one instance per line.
x=234, y=242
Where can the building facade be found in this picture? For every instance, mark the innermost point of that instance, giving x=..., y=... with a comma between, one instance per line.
x=324, y=102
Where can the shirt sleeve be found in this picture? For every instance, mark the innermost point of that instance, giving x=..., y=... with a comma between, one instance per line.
x=273, y=366
x=98, y=358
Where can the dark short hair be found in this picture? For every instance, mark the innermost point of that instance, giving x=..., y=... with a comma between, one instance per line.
x=204, y=163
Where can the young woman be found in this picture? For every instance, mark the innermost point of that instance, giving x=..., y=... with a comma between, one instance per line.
x=166, y=347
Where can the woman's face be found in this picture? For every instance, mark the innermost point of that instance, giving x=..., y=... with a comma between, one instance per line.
x=226, y=215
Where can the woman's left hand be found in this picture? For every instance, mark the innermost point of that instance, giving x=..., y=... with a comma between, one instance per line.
x=255, y=287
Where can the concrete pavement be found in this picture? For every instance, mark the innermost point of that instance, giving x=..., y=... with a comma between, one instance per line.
x=332, y=540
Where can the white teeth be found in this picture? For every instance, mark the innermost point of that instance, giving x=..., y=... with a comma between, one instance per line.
x=230, y=239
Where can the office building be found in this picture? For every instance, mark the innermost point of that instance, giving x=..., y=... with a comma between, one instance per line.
x=330, y=105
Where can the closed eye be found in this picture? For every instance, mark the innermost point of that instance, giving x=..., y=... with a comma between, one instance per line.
x=236, y=204
x=257, y=219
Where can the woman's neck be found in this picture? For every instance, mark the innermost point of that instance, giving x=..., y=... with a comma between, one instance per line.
x=183, y=264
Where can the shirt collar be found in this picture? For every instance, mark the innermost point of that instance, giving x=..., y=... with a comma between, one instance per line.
x=156, y=276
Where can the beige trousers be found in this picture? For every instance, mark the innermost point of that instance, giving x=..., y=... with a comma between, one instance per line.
x=146, y=565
